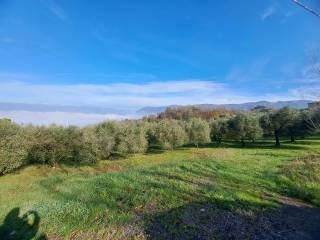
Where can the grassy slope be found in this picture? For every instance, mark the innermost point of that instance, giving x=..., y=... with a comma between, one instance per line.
x=122, y=198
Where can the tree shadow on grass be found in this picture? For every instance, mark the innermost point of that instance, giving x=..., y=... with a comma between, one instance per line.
x=154, y=150
x=206, y=220
x=249, y=145
x=21, y=228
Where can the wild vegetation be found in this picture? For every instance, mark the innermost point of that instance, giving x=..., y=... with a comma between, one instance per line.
x=23, y=145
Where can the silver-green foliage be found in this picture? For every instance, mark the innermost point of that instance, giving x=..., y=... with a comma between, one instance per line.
x=56, y=144
x=170, y=134
x=244, y=127
x=218, y=129
x=13, y=147
x=198, y=131
x=132, y=137
x=101, y=139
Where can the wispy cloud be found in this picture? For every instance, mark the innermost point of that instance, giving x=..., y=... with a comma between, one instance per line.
x=26, y=88
x=56, y=9
x=248, y=73
x=268, y=12
x=114, y=94
x=29, y=88
x=287, y=16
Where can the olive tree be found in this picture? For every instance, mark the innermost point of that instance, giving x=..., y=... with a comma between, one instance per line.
x=47, y=145
x=244, y=127
x=253, y=129
x=169, y=134
x=101, y=138
x=298, y=125
x=56, y=144
x=277, y=123
x=131, y=137
x=218, y=129
x=13, y=146
x=198, y=131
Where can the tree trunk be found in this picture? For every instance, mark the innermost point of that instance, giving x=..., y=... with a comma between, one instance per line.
x=243, y=143
x=292, y=139
x=276, y=134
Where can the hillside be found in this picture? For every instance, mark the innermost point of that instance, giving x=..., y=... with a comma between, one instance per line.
x=298, y=104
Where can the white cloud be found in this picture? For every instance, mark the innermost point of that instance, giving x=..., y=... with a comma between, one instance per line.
x=125, y=95
x=269, y=11
x=16, y=88
x=128, y=97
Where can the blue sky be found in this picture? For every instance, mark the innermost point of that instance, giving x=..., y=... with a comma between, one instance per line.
x=130, y=54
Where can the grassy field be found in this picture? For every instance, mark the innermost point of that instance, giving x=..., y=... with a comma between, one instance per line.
x=225, y=192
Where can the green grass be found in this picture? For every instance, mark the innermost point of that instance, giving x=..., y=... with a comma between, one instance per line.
x=123, y=198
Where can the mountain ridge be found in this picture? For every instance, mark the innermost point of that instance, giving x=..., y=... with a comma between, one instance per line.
x=297, y=104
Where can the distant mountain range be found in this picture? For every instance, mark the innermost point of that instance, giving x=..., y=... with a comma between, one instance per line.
x=297, y=104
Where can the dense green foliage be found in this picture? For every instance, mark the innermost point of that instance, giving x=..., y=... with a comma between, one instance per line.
x=286, y=122
x=186, y=113
x=218, y=129
x=13, y=148
x=198, y=131
x=170, y=134
x=131, y=137
x=21, y=145
x=244, y=127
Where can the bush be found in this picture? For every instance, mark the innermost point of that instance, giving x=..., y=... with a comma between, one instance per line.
x=13, y=147
x=169, y=134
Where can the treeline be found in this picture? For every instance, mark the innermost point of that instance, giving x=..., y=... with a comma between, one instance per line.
x=22, y=145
